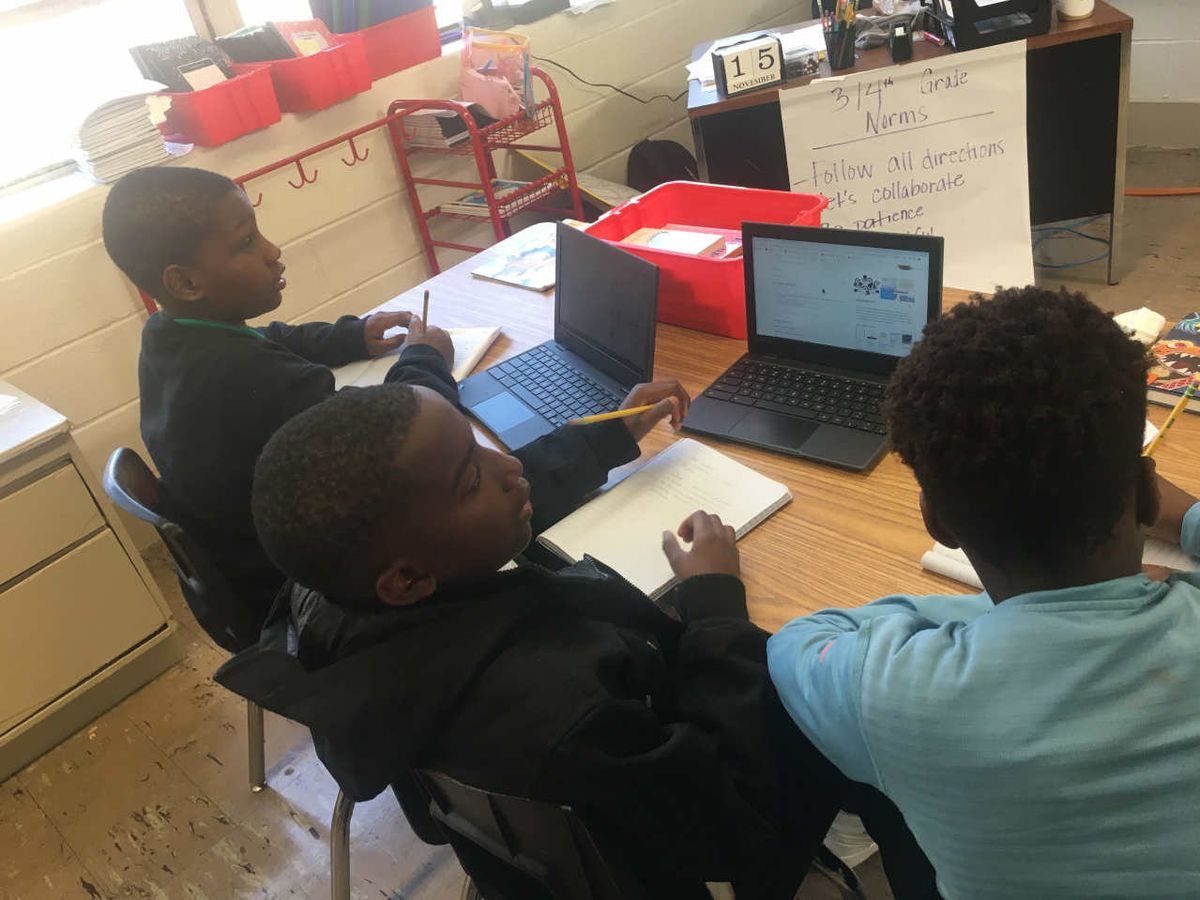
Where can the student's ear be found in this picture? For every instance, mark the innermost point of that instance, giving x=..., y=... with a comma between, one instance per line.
x=1149, y=500
x=934, y=526
x=402, y=585
x=182, y=283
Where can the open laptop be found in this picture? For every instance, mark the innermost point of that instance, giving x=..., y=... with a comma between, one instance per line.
x=605, y=305
x=829, y=315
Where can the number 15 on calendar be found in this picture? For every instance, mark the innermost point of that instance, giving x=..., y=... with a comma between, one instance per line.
x=748, y=65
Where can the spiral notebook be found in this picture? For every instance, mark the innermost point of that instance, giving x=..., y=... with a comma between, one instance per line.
x=623, y=526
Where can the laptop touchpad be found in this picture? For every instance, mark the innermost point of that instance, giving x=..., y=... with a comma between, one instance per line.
x=502, y=412
x=774, y=430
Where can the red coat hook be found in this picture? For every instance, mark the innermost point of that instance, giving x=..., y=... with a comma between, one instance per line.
x=355, y=158
x=257, y=202
x=304, y=179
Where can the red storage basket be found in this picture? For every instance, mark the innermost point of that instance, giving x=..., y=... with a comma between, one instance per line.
x=222, y=112
x=695, y=291
x=309, y=83
x=399, y=43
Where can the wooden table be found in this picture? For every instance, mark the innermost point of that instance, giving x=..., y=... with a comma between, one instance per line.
x=846, y=539
x=1077, y=114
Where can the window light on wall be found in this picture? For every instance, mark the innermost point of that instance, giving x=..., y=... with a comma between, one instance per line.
x=79, y=52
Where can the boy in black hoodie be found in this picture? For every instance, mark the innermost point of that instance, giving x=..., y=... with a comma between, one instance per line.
x=213, y=390
x=407, y=649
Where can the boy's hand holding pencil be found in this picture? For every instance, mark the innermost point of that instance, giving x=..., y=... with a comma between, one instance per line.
x=419, y=332
x=647, y=405
x=379, y=324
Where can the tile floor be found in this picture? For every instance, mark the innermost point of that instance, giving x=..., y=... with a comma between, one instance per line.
x=151, y=800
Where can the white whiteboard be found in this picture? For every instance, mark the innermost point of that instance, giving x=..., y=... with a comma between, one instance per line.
x=931, y=147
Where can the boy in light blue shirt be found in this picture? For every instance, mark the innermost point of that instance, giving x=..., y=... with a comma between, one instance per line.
x=1042, y=739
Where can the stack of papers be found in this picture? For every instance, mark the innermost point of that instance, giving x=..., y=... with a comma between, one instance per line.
x=119, y=137
x=434, y=128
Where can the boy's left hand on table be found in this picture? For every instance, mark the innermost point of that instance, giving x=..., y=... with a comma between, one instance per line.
x=669, y=399
x=377, y=325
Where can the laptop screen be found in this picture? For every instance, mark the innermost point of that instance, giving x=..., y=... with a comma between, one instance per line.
x=873, y=299
x=605, y=306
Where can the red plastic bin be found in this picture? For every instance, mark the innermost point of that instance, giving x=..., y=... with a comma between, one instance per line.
x=694, y=291
x=400, y=43
x=309, y=83
x=222, y=112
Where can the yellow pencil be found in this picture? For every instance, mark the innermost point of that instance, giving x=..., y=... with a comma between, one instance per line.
x=425, y=309
x=1179, y=407
x=616, y=414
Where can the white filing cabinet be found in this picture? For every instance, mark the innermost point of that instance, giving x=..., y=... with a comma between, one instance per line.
x=82, y=623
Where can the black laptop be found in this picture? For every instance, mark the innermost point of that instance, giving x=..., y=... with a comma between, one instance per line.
x=605, y=305
x=829, y=315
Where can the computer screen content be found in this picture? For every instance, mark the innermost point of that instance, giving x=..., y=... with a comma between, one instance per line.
x=857, y=298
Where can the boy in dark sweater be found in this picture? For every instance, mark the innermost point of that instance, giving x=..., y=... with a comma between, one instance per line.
x=213, y=390
x=405, y=648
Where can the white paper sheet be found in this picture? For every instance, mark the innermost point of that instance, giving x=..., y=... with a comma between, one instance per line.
x=934, y=147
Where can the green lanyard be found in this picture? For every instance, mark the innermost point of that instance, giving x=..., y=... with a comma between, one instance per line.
x=223, y=326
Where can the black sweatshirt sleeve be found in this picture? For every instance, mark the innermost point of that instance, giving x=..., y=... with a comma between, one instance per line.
x=422, y=365
x=690, y=783
x=319, y=342
x=563, y=467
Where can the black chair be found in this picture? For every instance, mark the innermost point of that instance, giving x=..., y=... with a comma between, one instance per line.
x=517, y=849
x=131, y=485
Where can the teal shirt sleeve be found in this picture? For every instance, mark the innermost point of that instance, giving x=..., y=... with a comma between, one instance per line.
x=817, y=663
x=1189, y=537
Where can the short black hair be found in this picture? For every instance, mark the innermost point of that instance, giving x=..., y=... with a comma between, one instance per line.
x=325, y=484
x=157, y=217
x=1022, y=418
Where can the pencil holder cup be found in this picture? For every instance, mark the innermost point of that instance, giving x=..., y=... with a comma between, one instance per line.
x=839, y=47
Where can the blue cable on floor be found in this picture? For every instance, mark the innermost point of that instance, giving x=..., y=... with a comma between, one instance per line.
x=1052, y=231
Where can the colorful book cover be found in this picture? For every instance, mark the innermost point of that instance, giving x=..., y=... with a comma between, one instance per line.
x=527, y=261
x=1176, y=362
x=475, y=203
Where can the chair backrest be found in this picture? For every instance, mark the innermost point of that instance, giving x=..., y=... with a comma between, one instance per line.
x=518, y=849
x=131, y=485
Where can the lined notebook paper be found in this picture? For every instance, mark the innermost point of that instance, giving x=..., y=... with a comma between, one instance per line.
x=954, y=563
x=623, y=526
x=470, y=346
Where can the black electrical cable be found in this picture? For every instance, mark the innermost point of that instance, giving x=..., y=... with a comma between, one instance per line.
x=601, y=84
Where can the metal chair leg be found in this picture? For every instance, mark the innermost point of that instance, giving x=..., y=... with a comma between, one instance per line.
x=339, y=848
x=258, y=750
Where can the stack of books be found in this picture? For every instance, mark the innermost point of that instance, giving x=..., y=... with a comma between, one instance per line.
x=119, y=137
x=442, y=128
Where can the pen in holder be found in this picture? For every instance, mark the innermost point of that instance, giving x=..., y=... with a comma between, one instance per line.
x=839, y=45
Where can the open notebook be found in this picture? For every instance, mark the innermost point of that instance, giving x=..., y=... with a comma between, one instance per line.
x=470, y=346
x=623, y=526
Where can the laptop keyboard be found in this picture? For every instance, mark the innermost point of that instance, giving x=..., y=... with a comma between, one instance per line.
x=804, y=394
x=553, y=387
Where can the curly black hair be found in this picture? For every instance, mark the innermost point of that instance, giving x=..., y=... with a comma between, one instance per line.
x=158, y=216
x=325, y=483
x=1022, y=418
